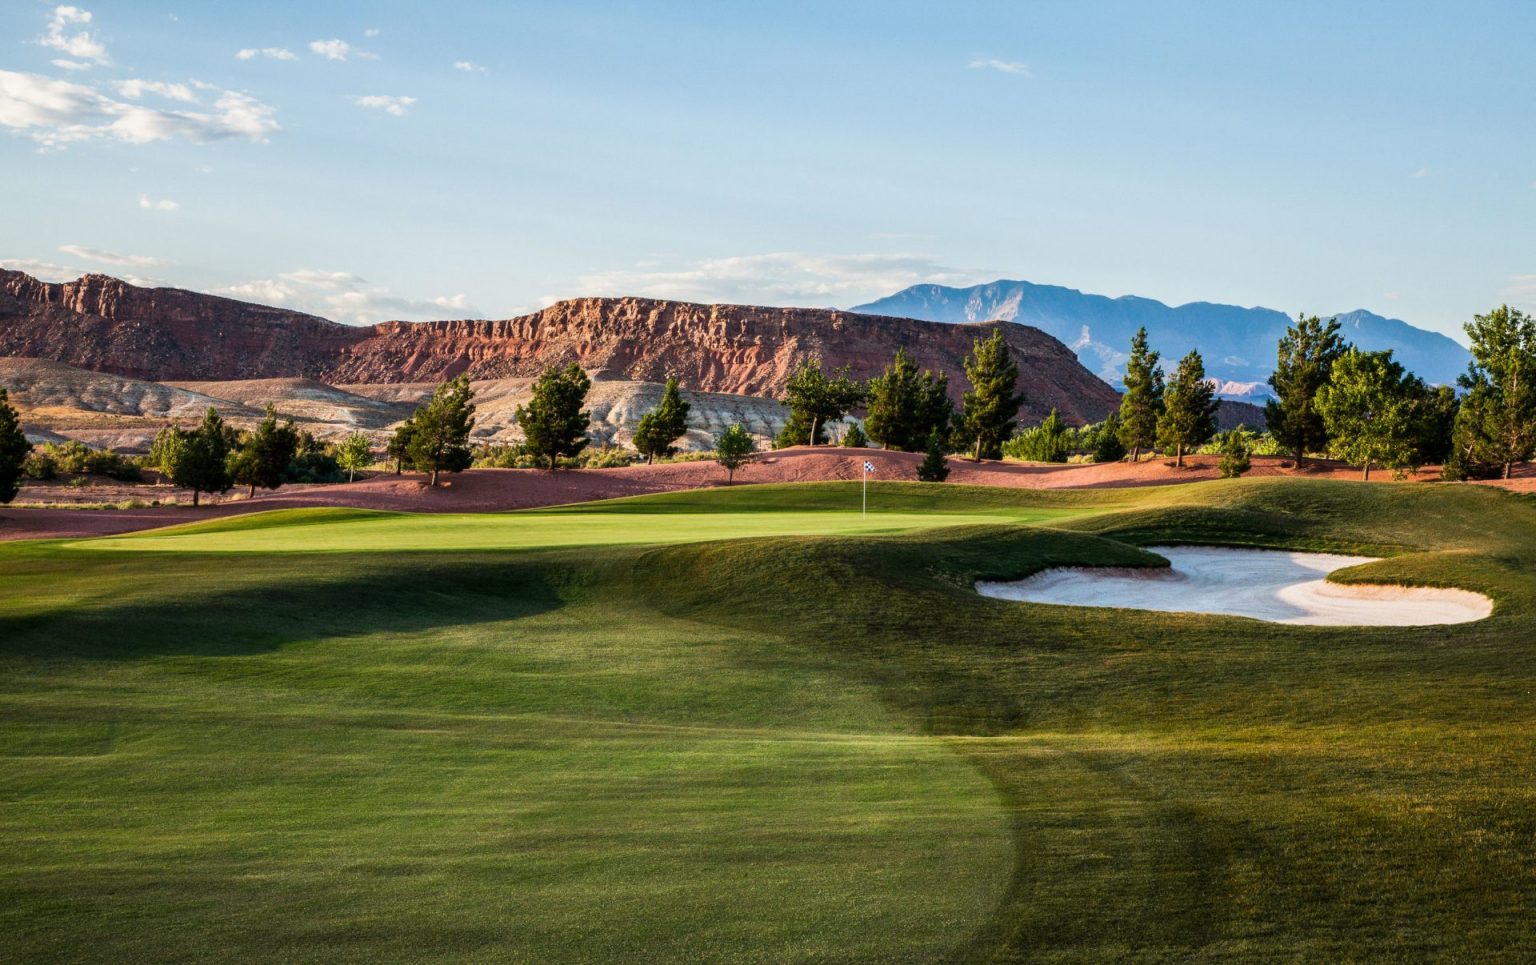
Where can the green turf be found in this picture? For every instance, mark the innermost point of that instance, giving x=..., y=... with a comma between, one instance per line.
x=820, y=744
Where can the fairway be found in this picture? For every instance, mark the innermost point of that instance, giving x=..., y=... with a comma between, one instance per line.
x=750, y=725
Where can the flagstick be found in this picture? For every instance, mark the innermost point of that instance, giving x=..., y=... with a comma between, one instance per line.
x=864, y=508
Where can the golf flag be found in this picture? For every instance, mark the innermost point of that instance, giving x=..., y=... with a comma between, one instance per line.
x=869, y=466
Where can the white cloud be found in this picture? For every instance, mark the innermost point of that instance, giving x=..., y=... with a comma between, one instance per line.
x=56, y=112
x=371, y=32
x=111, y=257
x=135, y=89
x=79, y=44
x=1003, y=66
x=63, y=64
x=1420, y=173
x=347, y=297
x=389, y=104
x=164, y=204
x=783, y=278
x=331, y=49
x=468, y=65
x=44, y=270
x=275, y=53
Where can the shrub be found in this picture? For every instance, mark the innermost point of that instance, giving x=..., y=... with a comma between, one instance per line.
x=78, y=458
x=1235, y=447
x=934, y=467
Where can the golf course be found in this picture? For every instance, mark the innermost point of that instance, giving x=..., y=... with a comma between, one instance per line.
x=754, y=724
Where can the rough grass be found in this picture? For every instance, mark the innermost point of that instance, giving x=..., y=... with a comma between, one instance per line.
x=793, y=747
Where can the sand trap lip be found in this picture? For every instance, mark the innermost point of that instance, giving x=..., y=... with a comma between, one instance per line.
x=1278, y=586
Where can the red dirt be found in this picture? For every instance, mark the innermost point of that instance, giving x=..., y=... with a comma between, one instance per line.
x=491, y=490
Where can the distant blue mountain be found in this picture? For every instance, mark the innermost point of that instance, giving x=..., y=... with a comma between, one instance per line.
x=1238, y=344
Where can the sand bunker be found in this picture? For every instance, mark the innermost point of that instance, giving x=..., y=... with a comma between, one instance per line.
x=1278, y=586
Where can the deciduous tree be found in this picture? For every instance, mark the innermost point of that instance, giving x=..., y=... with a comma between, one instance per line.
x=1497, y=423
x=733, y=449
x=200, y=461
x=1369, y=408
x=355, y=454
x=814, y=399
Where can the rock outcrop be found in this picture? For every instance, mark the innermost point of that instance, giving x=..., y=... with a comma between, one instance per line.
x=164, y=334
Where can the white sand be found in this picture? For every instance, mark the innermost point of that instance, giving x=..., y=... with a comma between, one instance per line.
x=1273, y=585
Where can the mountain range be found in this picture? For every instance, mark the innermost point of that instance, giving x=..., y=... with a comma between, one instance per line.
x=1237, y=344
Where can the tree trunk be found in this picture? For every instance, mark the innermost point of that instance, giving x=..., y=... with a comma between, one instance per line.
x=551, y=462
x=1178, y=458
x=399, y=465
x=815, y=424
x=1507, y=467
x=1366, y=475
x=433, y=483
x=1300, y=455
x=194, y=499
x=730, y=476
x=350, y=474
x=253, y=492
x=978, y=447
x=1136, y=454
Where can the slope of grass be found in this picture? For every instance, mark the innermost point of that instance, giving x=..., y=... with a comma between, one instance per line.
x=816, y=744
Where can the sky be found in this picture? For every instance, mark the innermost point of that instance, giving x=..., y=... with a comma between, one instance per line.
x=368, y=161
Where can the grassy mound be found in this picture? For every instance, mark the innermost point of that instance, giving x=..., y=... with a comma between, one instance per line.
x=307, y=736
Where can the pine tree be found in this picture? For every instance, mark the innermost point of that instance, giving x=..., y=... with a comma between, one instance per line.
x=554, y=422
x=1189, y=408
x=14, y=449
x=814, y=399
x=855, y=438
x=1107, y=446
x=439, y=440
x=733, y=449
x=1304, y=361
x=662, y=426
x=399, y=448
x=989, y=411
x=200, y=461
x=1498, y=427
x=355, y=454
x=934, y=467
x=266, y=454
x=1370, y=409
x=1142, y=404
x=1236, y=450
x=904, y=408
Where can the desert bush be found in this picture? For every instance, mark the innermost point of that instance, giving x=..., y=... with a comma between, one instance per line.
x=76, y=458
x=609, y=457
x=40, y=466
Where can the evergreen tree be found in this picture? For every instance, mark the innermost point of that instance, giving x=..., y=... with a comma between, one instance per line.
x=989, y=410
x=1050, y=441
x=1497, y=424
x=1304, y=361
x=1236, y=450
x=200, y=461
x=440, y=430
x=1142, y=404
x=814, y=399
x=265, y=456
x=355, y=454
x=399, y=447
x=554, y=422
x=1107, y=446
x=733, y=449
x=14, y=449
x=1436, y=429
x=905, y=407
x=1189, y=408
x=855, y=438
x=662, y=426
x=1370, y=410
x=934, y=467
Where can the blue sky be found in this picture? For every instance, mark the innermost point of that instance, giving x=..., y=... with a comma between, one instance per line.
x=406, y=160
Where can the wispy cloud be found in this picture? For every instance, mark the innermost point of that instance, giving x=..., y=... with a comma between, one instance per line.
x=55, y=113
x=45, y=270
x=468, y=65
x=387, y=103
x=1420, y=173
x=68, y=35
x=332, y=49
x=106, y=257
x=136, y=89
x=1016, y=67
x=347, y=297
x=782, y=278
x=273, y=53
x=164, y=204
x=371, y=32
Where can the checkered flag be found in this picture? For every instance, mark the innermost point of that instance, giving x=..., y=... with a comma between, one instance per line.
x=869, y=466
